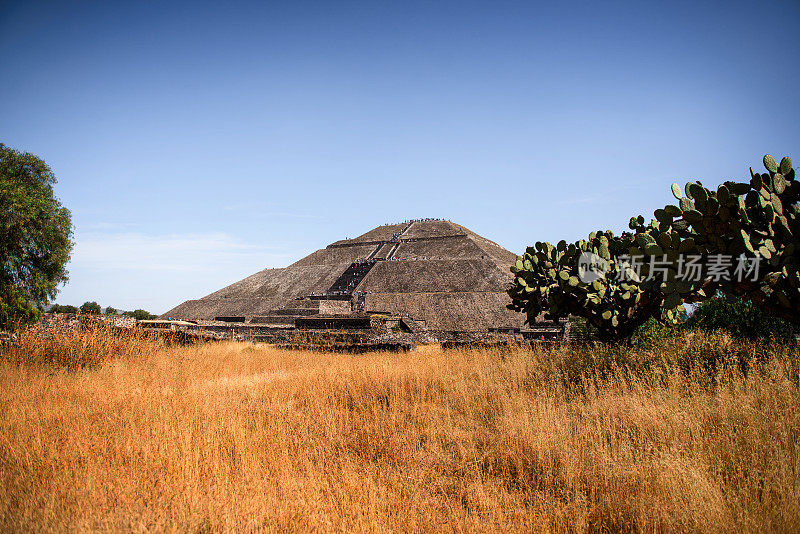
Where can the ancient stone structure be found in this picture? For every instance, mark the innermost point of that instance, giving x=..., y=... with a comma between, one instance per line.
x=435, y=275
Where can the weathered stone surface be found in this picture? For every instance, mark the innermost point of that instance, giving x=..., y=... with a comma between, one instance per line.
x=433, y=271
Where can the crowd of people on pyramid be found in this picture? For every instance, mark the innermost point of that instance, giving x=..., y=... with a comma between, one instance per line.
x=409, y=221
x=346, y=286
x=363, y=265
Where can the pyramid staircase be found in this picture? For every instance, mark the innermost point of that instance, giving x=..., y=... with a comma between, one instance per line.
x=392, y=250
x=375, y=252
x=383, y=251
x=351, y=277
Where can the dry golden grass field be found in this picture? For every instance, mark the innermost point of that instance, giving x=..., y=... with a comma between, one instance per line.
x=99, y=433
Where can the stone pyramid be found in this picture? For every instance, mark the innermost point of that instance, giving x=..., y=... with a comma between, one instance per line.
x=436, y=272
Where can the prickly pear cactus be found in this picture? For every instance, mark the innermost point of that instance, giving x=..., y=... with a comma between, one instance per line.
x=756, y=219
x=643, y=273
x=558, y=281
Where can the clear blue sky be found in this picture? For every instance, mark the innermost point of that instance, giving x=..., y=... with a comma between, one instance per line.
x=197, y=143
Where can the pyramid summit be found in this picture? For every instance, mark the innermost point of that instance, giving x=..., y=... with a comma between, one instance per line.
x=438, y=273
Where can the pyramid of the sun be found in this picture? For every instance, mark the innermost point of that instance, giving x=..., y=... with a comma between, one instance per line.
x=430, y=270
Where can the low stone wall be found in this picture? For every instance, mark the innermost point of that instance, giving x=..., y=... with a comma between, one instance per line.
x=273, y=319
x=70, y=320
x=333, y=323
x=334, y=307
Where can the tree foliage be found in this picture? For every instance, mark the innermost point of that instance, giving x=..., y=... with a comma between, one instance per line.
x=35, y=237
x=756, y=221
x=63, y=308
x=741, y=318
x=140, y=315
x=91, y=308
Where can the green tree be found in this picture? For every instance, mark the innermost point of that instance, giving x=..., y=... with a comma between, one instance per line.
x=91, y=308
x=740, y=318
x=140, y=315
x=63, y=308
x=110, y=311
x=35, y=237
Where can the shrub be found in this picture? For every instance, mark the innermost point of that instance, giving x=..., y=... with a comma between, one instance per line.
x=741, y=319
x=140, y=315
x=653, y=332
x=91, y=308
x=65, y=308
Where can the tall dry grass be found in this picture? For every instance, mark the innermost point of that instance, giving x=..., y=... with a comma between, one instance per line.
x=695, y=434
x=80, y=346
